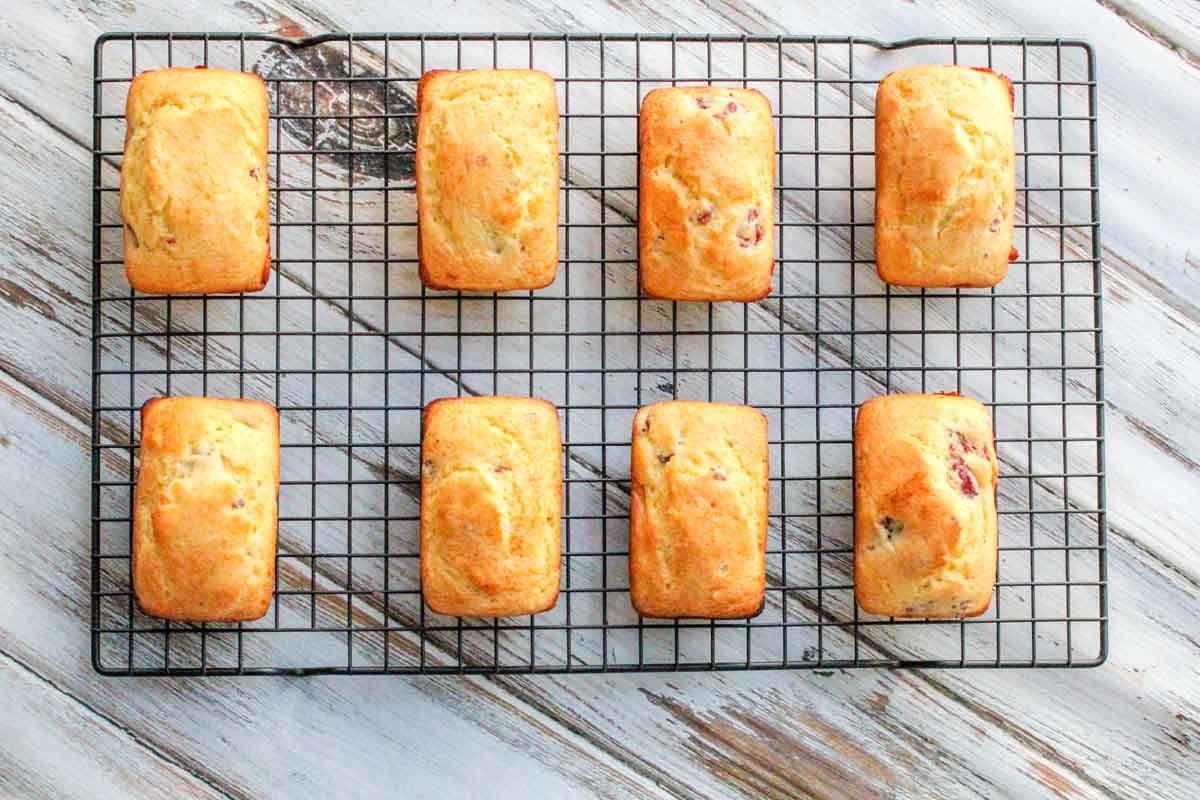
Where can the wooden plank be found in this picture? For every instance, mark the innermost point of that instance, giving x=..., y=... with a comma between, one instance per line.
x=619, y=694
x=1174, y=24
x=51, y=739
x=724, y=743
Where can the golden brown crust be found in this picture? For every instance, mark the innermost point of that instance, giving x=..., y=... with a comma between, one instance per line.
x=945, y=173
x=487, y=179
x=698, y=521
x=925, y=541
x=206, y=509
x=491, y=506
x=194, y=193
x=706, y=216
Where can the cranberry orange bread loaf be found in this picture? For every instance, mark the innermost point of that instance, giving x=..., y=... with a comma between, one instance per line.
x=206, y=510
x=194, y=182
x=487, y=179
x=945, y=177
x=698, y=523
x=491, y=502
x=706, y=217
x=925, y=506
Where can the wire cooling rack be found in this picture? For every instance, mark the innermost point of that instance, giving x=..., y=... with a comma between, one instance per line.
x=349, y=346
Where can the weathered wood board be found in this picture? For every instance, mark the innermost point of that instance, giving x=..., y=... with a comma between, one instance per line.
x=1126, y=728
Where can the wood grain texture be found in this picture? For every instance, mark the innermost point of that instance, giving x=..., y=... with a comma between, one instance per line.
x=1111, y=732
x=52, y=740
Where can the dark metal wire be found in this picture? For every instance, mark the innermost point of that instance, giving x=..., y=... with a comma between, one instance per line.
x=347, y=594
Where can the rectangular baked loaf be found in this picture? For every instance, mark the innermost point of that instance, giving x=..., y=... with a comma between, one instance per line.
x=698, y=522
x=491, y=506
x=487, y=179
x=194, y=182
x=925, y=540
x=945, y=174
x=206, y=509
x=706, y=216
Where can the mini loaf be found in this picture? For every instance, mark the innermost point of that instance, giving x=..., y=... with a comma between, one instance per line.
x=698, y=523
x=706, y=216
x=491, y=505
x=194, y=182
x=206, y=510
x=925, y=506
x=487, y=179
x=945, y=174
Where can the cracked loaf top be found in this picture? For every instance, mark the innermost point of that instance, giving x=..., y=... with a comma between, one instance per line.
x=487, y=179
x=925, y=506
x=491, y=506
x=698, y=520
x=706, y=216
x=206, y=510
x=945, y=175
x=194, y=182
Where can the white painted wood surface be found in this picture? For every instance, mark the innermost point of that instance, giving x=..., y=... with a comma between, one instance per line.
x=1128, y=729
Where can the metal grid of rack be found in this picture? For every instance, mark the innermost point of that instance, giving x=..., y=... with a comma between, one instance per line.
x=349, y=346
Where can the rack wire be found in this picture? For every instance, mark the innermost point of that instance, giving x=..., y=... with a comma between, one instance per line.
x=350, y=347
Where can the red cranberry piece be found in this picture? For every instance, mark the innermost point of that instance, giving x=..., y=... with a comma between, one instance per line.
x=752, y=215
x=731, y=108
x=170, y=240
x=704, y=217
x=254, y=173
x=966, y=478
x=964, y=442
x=758, y=233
